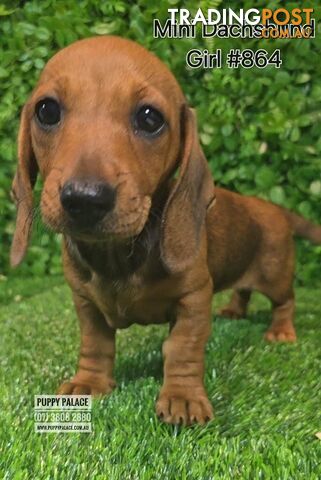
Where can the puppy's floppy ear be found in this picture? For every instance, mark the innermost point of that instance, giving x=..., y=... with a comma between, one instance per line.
x=191, y=195
x=21, y=190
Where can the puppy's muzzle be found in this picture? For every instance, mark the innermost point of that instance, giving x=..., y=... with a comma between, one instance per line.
x=86, y=203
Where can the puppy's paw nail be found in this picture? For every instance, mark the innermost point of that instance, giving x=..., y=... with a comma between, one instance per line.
x=183, y=409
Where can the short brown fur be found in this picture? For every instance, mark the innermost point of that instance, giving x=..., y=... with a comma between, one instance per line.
x=158, y=256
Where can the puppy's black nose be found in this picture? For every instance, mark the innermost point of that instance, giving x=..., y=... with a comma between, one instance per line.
x=87, y=202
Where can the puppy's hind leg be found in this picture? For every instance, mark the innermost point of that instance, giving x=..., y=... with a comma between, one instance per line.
x=279, y=289
x=237, y=307
x=282, y=327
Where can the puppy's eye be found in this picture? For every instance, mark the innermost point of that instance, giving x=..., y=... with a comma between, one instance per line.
x=149, y=120
x=48, y=112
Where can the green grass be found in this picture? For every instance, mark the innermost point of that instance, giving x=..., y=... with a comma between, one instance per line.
x=267, y=398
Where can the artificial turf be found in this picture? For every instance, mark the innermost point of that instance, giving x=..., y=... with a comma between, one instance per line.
x=267, y=398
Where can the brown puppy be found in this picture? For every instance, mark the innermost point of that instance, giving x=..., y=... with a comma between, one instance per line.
x=107, y=127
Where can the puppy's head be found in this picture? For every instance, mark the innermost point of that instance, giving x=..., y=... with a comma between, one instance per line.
x=106, y=127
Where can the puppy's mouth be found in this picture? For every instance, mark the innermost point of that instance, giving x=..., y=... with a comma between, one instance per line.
x=114, y=226
x=120, y=224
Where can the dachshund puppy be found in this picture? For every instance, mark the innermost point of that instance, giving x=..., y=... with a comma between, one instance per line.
x=146, y=236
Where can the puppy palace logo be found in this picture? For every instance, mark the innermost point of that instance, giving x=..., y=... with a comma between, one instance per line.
x=281, y=23
x=62, y=413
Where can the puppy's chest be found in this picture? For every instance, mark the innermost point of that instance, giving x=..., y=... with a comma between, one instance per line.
x=134, y=300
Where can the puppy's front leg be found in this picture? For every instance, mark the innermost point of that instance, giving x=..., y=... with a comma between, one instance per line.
x=183, y=398
x=97, y=353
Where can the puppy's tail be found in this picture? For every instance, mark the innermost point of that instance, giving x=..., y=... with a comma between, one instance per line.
x=304, y=228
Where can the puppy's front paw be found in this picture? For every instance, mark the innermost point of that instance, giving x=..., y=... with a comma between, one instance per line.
x=180, y=407
x=86, y=386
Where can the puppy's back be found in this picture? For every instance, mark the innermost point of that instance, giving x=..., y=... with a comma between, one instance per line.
x=240, y=229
